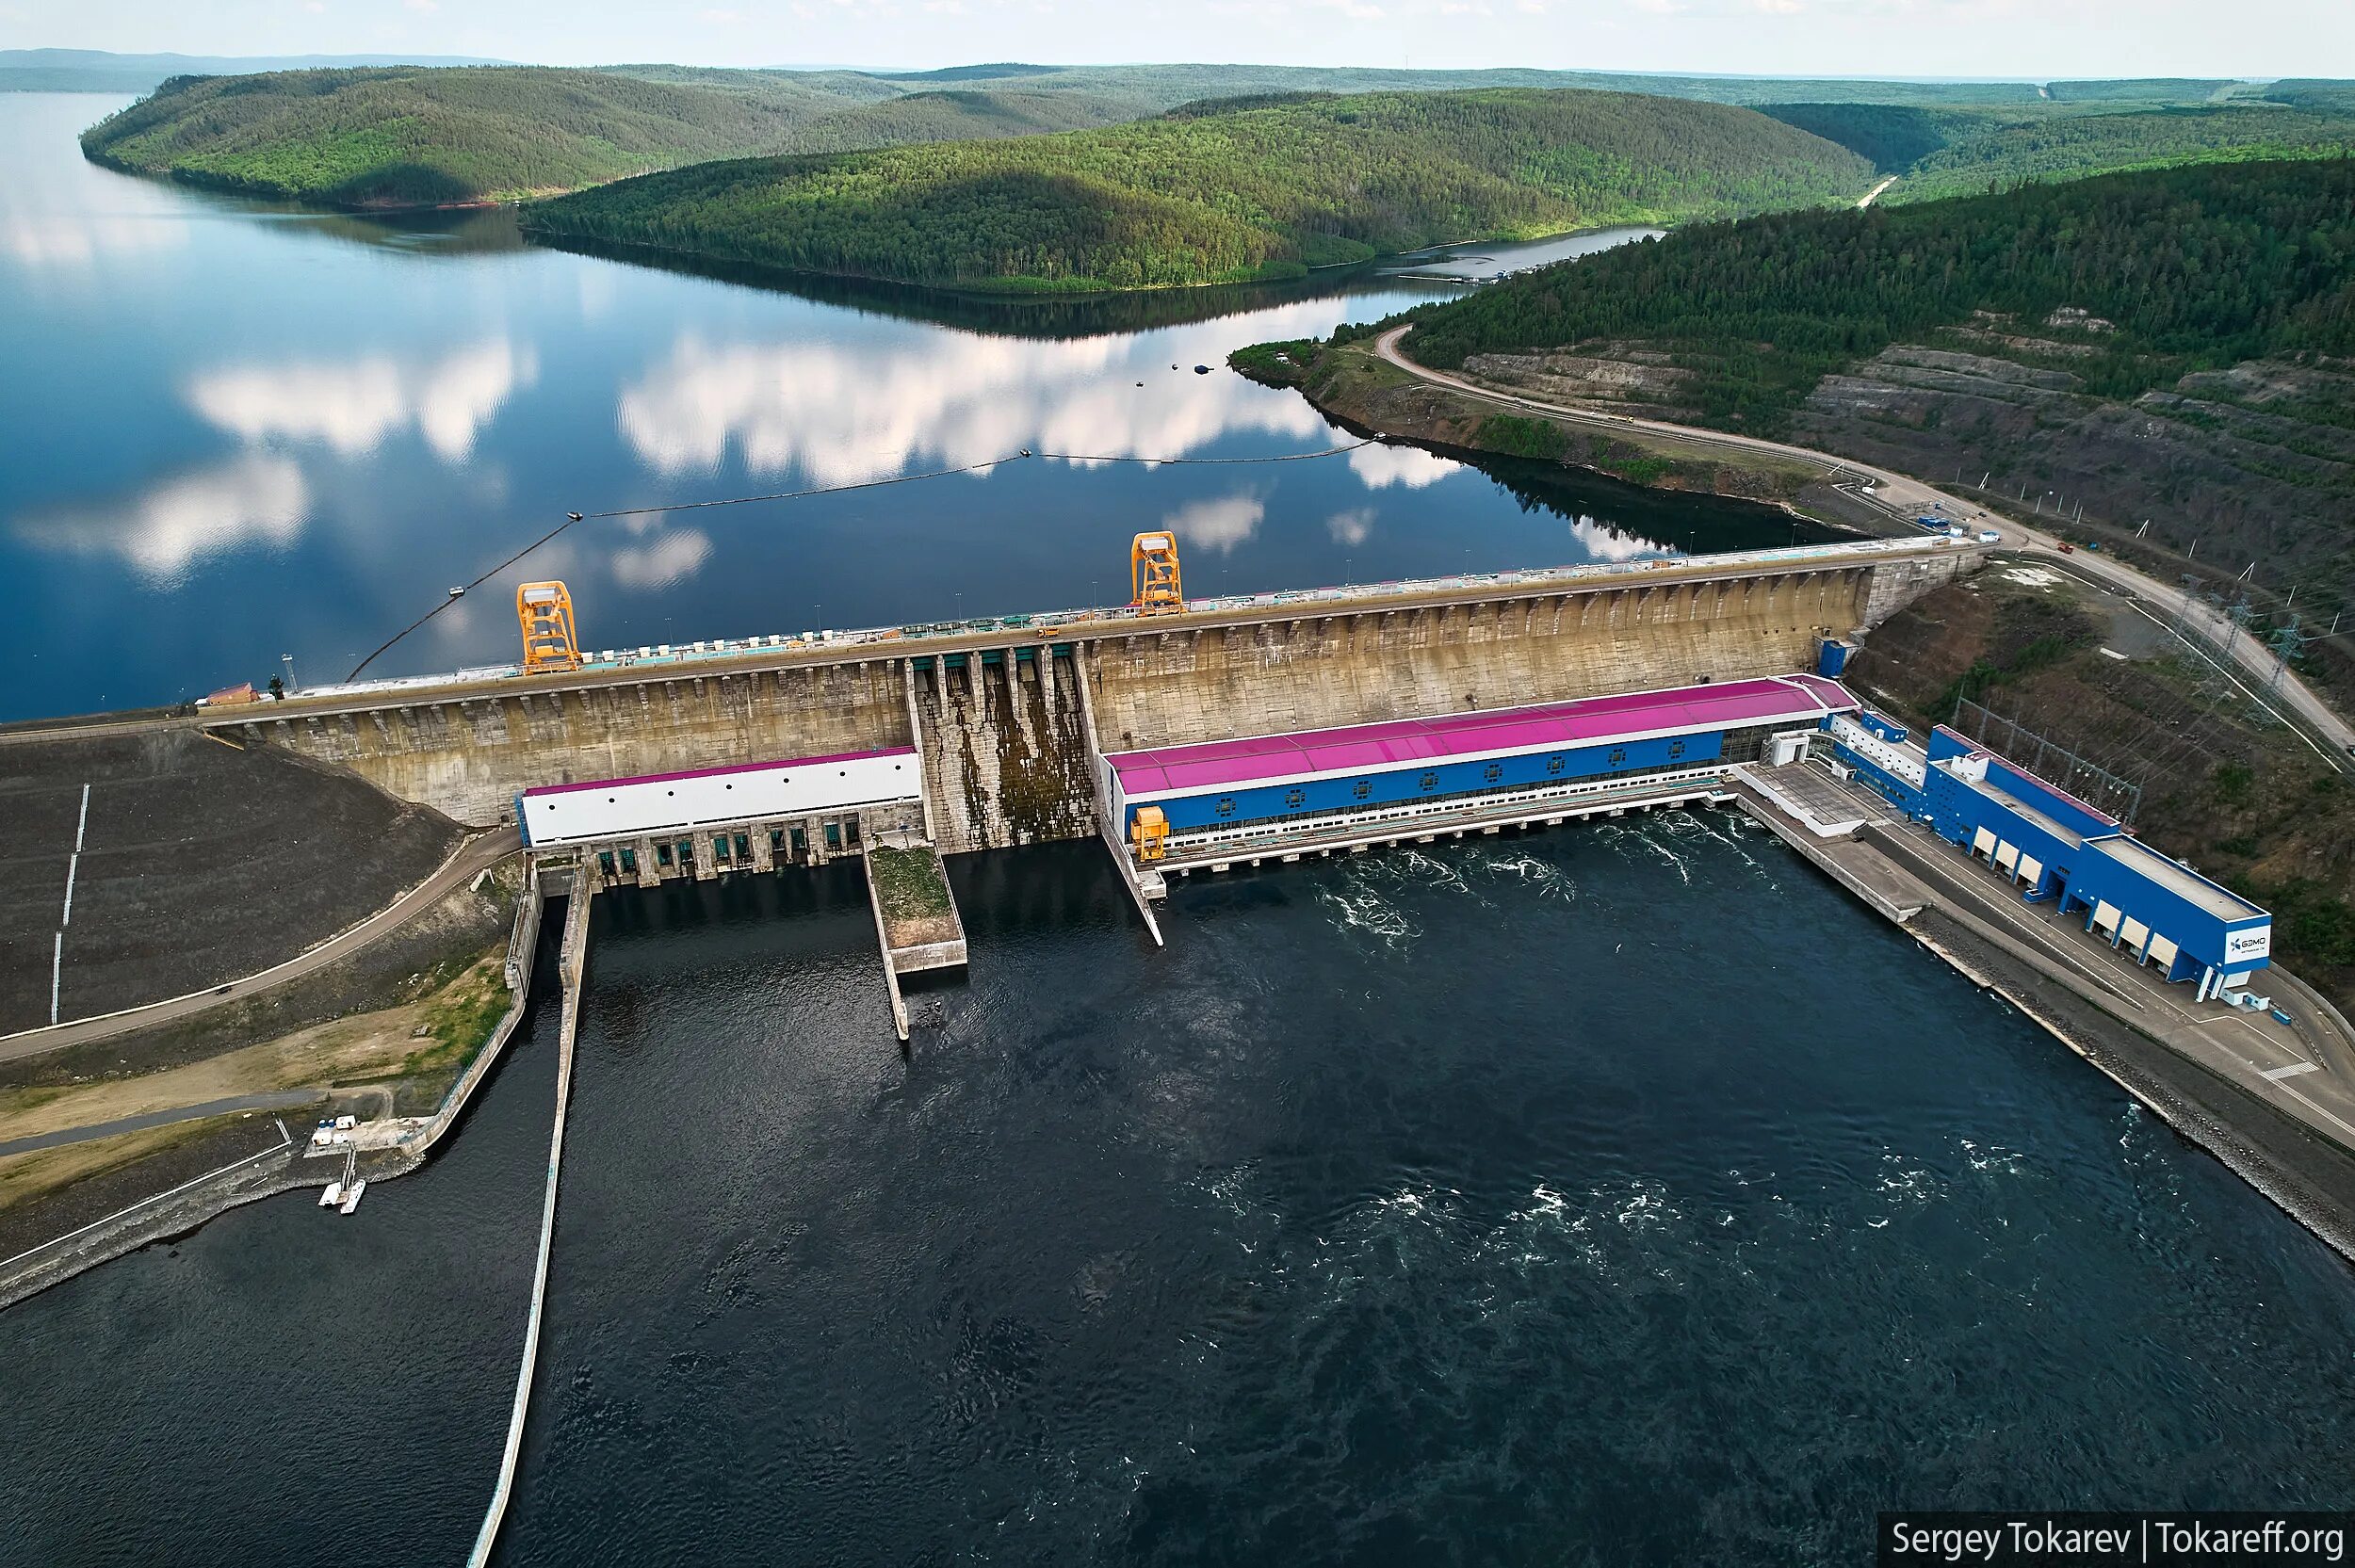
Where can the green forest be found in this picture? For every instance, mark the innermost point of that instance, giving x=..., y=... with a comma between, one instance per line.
x=407, y=137
x=418, y=135
x=421, y=137
x=2176, y=270
x=1943, y=149
x=1209, y=197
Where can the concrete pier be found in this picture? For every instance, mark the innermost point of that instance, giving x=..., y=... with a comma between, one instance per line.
x=917, y=931
x=572, y=968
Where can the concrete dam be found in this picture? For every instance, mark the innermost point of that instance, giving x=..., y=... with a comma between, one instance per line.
x=1009, y=714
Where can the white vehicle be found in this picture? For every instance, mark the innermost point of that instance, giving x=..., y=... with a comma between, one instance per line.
x=1988, y=536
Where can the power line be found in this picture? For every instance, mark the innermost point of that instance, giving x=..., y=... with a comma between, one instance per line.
x=573, y=517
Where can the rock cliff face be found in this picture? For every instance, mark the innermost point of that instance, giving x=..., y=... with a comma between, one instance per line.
x=2256, y=461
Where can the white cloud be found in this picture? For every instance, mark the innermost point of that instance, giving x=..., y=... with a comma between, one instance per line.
x=1411, y=468
x=1352, y=527
x=255, y=498
x=352, y=406
x=670, y=558
x=1219, y=525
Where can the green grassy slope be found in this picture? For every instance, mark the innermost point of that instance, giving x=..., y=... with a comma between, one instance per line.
x=1212, y=196
x=2182, y=270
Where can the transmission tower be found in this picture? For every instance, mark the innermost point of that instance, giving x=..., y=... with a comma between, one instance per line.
x=2288, y=642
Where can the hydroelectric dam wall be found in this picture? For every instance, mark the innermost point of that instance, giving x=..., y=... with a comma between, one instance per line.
x=996, y=707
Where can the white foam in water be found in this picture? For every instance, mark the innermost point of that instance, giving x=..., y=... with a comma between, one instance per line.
x=1672, y=857
x=1994, y=1157
x=1429, y=870
x=1361, y=909
x=1550, y=879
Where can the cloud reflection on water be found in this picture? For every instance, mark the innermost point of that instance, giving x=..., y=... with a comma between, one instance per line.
x=1217, y=525
x=352, y=406
x=257, y=497
x=1410, y=467
x=849, y=412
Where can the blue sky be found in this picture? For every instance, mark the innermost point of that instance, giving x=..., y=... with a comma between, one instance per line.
x=1882, y=38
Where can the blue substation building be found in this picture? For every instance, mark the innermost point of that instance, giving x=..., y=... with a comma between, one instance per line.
x=2051, y=845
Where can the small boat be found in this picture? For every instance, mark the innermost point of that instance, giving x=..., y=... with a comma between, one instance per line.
x=351, y=1194
x=332, y=1195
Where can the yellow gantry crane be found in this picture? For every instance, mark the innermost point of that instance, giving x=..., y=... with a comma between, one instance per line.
x=1153, y=587
x=546, y=611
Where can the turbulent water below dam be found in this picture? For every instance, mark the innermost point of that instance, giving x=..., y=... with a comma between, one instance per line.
x=1618, y=1194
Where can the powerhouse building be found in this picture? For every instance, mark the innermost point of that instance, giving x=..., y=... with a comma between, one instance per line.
x=1262, y=786
x=2051, y=845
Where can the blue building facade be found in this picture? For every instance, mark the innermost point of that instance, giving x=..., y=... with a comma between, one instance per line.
x=2051, y=845
x=1394, y=785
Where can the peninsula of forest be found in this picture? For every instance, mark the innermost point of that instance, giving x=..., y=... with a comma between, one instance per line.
x=1225, y=191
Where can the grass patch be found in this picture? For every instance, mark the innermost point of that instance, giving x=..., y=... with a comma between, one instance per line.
x=459, y=1020
x=911, y=884
x=1284, y=363
x=1519, y=437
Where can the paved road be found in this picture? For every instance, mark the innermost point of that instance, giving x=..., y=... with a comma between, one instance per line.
x=280, y=1099
x=473, y=857
x=1907, y=496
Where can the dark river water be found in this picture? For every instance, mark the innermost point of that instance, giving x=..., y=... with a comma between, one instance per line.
x=1614, y=1195
x=1622, y=1194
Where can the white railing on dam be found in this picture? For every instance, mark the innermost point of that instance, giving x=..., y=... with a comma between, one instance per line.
x=1063, y=622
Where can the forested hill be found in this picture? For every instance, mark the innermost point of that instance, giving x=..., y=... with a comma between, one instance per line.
x=410, y=136
x=2128, y=282
x=413, y=136
x=1940, y=151
x=1196, y=197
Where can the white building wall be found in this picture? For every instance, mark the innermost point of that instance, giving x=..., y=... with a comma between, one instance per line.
x=632, y=808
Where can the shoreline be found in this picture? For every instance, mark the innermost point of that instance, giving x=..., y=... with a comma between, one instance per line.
x=179, y=1213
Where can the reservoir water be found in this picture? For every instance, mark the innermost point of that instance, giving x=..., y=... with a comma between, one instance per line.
x=238, y=433
x=1621, y=1194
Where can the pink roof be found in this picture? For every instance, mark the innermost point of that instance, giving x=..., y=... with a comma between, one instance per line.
x=718, y=772
x=1362, y=747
